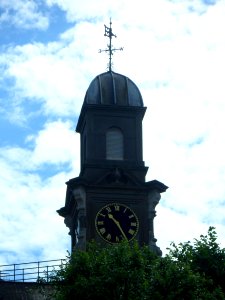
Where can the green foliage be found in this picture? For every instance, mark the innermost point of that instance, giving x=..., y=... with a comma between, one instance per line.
x=115, y=272
x=129, y=272
x=204, y=257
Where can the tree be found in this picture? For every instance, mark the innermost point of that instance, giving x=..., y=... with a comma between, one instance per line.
x=129, y=272
x=204, y=257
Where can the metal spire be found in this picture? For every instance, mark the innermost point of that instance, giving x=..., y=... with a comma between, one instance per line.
x=110, y=49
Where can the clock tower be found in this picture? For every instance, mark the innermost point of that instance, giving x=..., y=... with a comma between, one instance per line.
x=110, y=200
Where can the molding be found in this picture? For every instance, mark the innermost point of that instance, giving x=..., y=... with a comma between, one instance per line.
x=80, y=198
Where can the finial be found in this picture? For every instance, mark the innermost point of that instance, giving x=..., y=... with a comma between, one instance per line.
x=110, y=50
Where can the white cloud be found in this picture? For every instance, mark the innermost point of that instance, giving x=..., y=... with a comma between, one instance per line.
x=86, y=9
x=176, y=227
x=23, y=14
x=177, y=60
x=30, y=225
x=55, y=75
x=56, y=144
x=28, y=212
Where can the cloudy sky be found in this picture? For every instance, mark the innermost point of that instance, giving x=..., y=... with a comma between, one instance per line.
x=173, y=50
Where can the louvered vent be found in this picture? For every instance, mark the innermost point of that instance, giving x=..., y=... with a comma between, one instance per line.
x=114, y=144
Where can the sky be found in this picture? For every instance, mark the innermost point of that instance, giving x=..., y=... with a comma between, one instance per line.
x=173, y=50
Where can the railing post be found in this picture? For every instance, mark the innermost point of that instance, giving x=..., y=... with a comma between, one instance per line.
x=14, y=272
x=23, y=274
x=47, y=273
x=38, y=270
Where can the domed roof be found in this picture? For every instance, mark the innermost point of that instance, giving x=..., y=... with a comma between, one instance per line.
x=111, y=88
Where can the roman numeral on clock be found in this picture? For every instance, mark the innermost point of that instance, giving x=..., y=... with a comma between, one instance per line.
x=116, y=222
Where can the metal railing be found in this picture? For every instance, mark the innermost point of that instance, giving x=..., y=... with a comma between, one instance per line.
x=39, y=271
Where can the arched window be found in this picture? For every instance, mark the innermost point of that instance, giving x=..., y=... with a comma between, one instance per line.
x=114, y=144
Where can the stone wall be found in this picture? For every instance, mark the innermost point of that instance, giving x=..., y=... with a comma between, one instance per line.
x=24, y=291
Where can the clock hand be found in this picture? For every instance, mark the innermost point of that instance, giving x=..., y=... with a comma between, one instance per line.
x=117, y=224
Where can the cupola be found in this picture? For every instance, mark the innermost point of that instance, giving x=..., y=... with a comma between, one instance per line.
x=111, y=88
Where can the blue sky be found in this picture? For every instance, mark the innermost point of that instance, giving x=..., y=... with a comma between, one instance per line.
x=173, y=51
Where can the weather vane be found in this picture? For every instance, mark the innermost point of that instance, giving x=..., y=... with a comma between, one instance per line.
x=110, y=49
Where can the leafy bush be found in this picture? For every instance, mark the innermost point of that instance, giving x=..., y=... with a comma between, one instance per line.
x=129, y=272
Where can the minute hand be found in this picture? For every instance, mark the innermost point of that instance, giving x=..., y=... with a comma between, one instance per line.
x=118, y=225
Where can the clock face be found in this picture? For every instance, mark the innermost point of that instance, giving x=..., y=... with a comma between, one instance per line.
x=116, y=222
